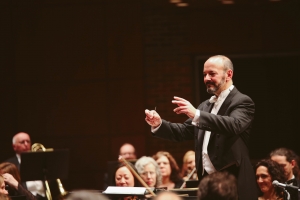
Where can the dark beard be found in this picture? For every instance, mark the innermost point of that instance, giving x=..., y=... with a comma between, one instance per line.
x=216, y=87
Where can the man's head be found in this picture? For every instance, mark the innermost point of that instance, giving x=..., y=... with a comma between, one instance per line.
x=218, y=73
x=86, y=195
x=287, y=159
x=167, y=195
x=218, y=185
x=127, y=151
x=21, y=142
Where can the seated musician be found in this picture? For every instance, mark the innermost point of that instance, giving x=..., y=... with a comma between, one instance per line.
x=188, y=166
x=12, y=178
x=2, y=186
x=123, y=177
x=149, y=171
x=169, y=170
x=267, y=171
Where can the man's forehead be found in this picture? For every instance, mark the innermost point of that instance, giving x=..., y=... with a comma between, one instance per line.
x=22, y=136
x=279, y=157
x=127, y=148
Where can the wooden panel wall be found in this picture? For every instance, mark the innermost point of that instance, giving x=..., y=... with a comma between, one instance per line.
x=79, y=74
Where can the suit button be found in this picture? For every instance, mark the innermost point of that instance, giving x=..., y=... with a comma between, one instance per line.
x=218, y=135
x=217, y=146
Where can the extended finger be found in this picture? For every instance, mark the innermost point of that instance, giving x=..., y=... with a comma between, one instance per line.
x=179, y=103
x=180, y=109
x=181, y=99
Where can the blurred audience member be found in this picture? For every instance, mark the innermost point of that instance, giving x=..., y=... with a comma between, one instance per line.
x=188, y=166
x=218, y=186
x=267, y=171
x=167, y=195
x=288, y=160
x=169, y=170
x=86, y=195
x=149, y=171
x=127, y=151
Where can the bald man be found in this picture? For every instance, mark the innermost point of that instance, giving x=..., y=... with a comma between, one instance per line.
x=127, y=151
x=21, y=142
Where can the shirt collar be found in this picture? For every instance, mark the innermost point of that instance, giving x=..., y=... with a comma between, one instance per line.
x=225, y=93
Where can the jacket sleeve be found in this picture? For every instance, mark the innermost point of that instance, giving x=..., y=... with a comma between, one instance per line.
x=237, y=119
x=26, y=193
x=175, y=131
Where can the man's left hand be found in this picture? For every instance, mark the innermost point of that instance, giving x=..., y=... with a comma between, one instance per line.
x=184, y=107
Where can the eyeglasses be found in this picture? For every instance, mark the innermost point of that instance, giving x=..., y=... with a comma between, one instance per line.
x=148, y=173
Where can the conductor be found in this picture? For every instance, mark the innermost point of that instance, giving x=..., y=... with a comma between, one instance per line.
x=220, y=127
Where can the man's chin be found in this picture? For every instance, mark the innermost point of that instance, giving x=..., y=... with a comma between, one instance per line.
x=210, y=91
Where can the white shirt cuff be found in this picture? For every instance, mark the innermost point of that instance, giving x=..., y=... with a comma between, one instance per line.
x=196, y=119
x=153, y=130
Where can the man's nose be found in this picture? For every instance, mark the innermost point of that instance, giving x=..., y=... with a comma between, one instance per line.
x=27, y=143
x=207, y=77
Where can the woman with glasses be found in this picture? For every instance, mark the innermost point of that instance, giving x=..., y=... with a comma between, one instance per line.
x=149, y=171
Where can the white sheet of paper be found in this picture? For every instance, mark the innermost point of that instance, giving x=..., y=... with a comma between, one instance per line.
x=125, y=190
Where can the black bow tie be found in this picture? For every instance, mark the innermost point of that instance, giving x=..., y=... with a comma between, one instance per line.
x=292, y=182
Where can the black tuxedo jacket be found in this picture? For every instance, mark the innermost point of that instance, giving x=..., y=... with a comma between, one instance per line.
x=227, y=148
x=14, y=160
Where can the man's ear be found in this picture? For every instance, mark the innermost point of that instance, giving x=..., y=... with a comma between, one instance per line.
x=293, y=162
x=229, y=74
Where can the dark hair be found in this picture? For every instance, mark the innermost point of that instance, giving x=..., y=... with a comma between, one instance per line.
x=290, y=155
x=218, y=186
x=136, y=181
x=276, y=172
x=86, y=195
x=175, y=172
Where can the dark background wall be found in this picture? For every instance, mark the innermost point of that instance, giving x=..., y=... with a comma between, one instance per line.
x=79, y=74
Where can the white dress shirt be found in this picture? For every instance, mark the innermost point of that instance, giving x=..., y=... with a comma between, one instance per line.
x=207, y=164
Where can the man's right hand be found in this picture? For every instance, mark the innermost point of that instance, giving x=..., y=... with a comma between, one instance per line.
x=152, y=118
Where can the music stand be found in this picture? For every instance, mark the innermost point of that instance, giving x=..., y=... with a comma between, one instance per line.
x=45, y=166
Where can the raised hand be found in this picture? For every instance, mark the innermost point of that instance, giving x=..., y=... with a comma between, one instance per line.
x=153, y=118
x=184, y=107
x=10, y=180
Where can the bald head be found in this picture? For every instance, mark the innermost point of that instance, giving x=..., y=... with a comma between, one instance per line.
x=21, y=142
x=167, y=195
x=226, y=62
x=127, y=151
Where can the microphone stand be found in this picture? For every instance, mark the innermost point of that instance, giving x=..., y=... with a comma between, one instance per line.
x=287, y=195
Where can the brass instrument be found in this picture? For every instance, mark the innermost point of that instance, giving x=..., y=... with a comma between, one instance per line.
x=39, y=147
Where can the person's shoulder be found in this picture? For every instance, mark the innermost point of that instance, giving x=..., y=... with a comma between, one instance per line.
x=241, y=95
x=13, y=160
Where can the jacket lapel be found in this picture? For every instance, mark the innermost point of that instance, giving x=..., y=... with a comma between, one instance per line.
x=227, y=102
